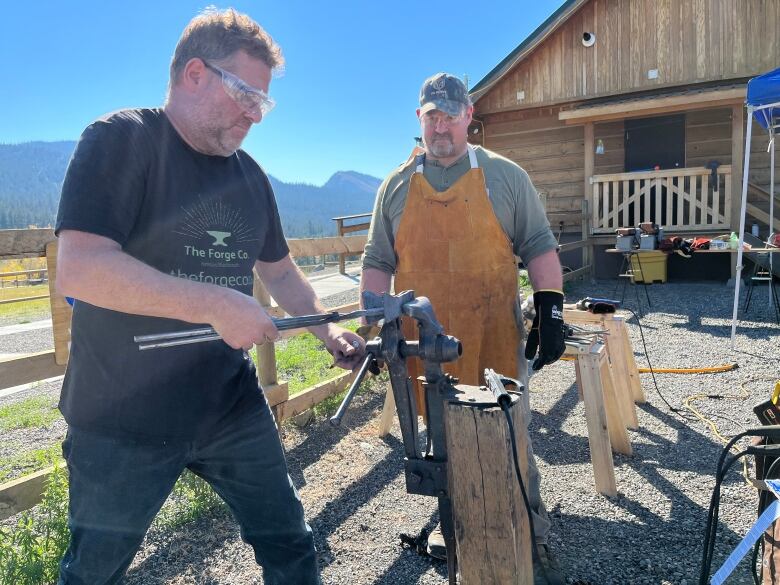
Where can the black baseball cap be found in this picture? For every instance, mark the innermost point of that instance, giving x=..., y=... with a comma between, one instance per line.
x=444, y=92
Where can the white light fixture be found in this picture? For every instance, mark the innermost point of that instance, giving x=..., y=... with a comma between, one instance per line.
x=652, y=74
x=588, y=39
x=599, y=146
x=520, y=96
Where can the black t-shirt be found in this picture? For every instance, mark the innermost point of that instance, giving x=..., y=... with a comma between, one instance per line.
x=206, y=218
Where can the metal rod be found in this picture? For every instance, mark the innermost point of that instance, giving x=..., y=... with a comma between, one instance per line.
x=174, y=335
x=181, y=341
x=155, y=340
x=335, y=420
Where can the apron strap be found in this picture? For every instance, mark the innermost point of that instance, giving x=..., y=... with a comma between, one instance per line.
x=472, y=156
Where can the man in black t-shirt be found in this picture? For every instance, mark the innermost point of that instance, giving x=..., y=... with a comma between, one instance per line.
x=161, y=222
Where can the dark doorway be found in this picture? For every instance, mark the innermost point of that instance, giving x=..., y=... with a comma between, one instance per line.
x=654, y=144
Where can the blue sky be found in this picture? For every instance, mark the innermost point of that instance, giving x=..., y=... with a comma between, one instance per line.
x=346, y=100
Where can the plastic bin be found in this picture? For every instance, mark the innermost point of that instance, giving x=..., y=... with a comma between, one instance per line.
x=653, y=267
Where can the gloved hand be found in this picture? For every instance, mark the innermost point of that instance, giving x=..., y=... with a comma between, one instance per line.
x=547, y=331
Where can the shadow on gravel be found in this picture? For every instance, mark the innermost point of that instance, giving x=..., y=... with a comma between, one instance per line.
x=685, y=521
x=553, y=445
x=187, y=549
x=358, y=494
x=761, y=330
x=409, y=566
x=320, y=437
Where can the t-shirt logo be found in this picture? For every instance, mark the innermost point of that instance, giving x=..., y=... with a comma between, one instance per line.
x=216, y=220
x=219, y=237
x=216, y=236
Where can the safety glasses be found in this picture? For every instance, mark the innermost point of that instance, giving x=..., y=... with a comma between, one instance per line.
x=436, y=118
x=250, y=98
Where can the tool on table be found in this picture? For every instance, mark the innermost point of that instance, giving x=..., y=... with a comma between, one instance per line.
x=598, y=305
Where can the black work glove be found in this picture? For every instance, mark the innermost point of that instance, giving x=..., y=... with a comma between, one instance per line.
x=547, y=331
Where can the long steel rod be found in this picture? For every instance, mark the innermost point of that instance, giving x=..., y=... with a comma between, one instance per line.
x=170, y=339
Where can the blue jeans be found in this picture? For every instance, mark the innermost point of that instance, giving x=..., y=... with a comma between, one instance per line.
x=117, y=486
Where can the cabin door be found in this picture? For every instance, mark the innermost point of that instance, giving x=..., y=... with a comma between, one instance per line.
x=655, y=144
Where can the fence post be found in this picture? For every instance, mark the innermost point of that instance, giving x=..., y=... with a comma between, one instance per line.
x=266, y=361
x=587, y=250
x=61, y=312
x=342, y=256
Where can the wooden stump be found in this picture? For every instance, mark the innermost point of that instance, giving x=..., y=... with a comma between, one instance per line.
x=491, y=522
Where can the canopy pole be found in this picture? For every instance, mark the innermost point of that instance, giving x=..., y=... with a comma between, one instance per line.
x=738, y=275
x=771, y=210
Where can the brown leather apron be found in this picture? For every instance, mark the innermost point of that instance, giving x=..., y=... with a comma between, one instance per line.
x=452, y=249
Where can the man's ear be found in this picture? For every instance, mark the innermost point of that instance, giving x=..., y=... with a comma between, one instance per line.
x=193, y=76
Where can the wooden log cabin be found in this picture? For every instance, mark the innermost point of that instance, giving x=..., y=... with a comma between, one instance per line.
x=633, y=110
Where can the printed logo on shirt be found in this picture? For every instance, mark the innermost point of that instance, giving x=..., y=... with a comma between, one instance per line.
x=556, y=313
x=218, y=231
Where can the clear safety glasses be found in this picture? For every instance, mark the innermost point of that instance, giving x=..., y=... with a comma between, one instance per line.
x=250, y=98
x=436, y=118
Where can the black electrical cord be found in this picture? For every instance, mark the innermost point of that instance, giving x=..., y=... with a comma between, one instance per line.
x=678, y=411
x=762, y=503
x=722, y=469
x=711, y=529
x=505, y=404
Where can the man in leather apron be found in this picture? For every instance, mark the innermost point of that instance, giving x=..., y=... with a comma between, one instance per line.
x=448, y=224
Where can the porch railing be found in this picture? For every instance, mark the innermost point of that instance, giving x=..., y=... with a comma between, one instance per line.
x=679, y=199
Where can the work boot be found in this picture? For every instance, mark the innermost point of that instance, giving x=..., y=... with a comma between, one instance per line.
x=436, y=546
x=547, y=571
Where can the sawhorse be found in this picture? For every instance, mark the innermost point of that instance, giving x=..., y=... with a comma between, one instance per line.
x=608, y=383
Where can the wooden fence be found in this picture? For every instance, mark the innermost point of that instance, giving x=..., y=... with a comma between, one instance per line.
x=679, y=199
x=26, y=492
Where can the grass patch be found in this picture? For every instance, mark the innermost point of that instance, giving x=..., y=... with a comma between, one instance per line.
x=524, y=282
x=303, y=361
x=329, y=406
x=27, y=462
x=190, y=499
x=24, y=311
x=35, y=412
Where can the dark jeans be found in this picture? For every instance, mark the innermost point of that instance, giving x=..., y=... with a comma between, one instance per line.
x=118, y=486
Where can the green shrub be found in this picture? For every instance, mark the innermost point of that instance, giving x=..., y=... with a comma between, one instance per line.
x=30, y=552
x=190, y=499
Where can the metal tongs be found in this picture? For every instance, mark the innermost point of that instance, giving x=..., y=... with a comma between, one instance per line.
x=155, y=340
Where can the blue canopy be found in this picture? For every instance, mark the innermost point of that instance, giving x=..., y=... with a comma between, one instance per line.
x=764, y=90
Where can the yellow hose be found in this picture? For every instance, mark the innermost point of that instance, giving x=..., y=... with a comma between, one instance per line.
x=710, y=370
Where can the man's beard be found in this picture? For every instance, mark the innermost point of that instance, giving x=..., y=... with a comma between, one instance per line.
x=217, y=139
x=441, y=148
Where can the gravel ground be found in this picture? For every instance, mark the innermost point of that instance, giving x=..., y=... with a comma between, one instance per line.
x=352, y=486
x=25, y=342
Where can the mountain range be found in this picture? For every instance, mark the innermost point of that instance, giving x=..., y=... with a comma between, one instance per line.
x=31, y=176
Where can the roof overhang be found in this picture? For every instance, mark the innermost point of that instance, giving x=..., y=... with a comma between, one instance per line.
x=641, y=107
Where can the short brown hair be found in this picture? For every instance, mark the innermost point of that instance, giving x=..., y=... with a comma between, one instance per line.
x=215, y=35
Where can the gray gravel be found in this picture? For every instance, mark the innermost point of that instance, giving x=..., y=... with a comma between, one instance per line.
x=352, y=484
x=25, y=342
